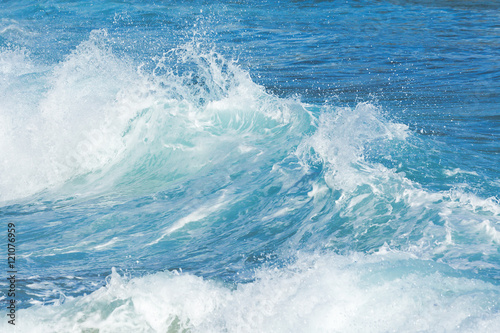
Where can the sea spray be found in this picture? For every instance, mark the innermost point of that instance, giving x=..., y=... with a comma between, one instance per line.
x=323, y=292
x=254, y=168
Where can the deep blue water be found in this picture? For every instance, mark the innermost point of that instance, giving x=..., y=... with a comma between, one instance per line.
x=306, y=166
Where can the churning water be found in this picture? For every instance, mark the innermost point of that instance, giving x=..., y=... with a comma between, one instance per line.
x=251, y=167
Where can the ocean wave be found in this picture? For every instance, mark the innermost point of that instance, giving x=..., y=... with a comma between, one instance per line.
x=187, y=155
x=325, y=293
x=97, y=110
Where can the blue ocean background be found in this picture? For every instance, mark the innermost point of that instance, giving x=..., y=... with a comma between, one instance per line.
x=241, y=166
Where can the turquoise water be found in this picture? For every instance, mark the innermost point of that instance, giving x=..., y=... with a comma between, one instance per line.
x=251, y=167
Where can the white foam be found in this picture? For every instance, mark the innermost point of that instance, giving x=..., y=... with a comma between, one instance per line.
x=320, y=293
x=317, y=191
x=375, y=199
x=456, y=171
x=96, y=112
x=15, y=61
x=69, y=122
x=106, y=245
x=340, y=140
x=194, y=216
x=491, y=230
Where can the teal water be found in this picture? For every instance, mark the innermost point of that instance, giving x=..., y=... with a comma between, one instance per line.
x=251, y=167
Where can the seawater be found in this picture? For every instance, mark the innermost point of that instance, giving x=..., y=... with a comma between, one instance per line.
x=251, y=166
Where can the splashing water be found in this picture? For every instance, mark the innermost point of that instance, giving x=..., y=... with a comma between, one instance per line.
x=223, y=206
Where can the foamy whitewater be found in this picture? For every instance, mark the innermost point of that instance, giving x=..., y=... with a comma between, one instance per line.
x=251, y=167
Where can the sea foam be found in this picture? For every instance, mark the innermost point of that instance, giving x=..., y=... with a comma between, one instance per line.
x=323, y=293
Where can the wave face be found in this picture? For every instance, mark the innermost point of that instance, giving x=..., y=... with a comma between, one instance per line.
x=175, y=168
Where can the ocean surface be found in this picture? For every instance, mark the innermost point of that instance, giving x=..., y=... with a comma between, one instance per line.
x=273, y=166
